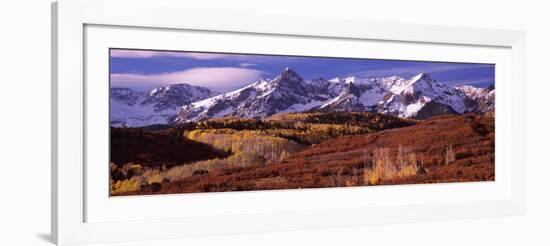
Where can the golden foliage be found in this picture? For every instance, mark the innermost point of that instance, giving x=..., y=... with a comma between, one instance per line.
x=239, y=159
x=123, y=186
x=175, y=173
x=153, y=177
x=246, y=141
x=407, y=171
x=384, y=168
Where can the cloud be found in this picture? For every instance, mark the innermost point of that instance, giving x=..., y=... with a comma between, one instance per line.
x=244, y=64
x=414, y=70
x=148, y=54
x=220, y=79
x=473, y=82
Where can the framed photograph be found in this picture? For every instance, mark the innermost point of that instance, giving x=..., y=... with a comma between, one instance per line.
x=168, y=125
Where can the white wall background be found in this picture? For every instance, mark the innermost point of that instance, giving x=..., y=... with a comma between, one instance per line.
x=25, y=122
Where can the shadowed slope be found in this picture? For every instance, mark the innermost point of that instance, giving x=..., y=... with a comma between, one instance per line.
x=157, y=148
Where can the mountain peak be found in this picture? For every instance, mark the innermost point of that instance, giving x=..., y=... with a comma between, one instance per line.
x=490, y=88
x=177, y=85
x=288, y=73
x=177, y=89
x=289, y=79
x=352, y=89
x=422, y=76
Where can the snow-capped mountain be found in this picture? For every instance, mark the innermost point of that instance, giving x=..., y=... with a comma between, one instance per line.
x=408, y=97
x=158, y=106
x=483, y=98
x=288, y=92
x=420, y=96
x=358, y=94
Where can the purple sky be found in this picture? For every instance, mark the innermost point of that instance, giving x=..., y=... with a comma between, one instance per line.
x=144, y=69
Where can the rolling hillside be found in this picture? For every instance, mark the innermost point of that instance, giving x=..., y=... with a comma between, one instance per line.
x=155, y=149
x=441, y=149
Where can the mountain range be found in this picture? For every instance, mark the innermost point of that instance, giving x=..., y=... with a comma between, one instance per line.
x=159, y=106
x=420, y=97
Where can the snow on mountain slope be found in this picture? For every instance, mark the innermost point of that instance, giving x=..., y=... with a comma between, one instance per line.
x=483, y=98
x=357, y=94
x=408, y=97
x=158, y=106
x=420, y=96
x=288, y=92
